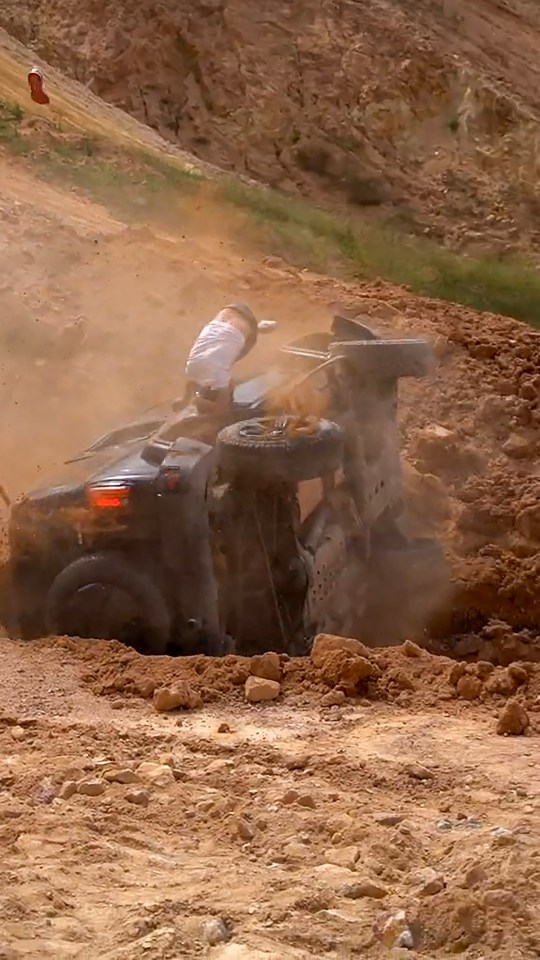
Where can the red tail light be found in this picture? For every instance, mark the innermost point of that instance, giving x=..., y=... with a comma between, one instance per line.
x=107, y=497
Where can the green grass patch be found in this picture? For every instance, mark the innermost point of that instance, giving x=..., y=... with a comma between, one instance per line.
x=138, y=183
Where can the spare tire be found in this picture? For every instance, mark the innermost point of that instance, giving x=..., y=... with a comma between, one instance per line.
x=273, y=449
x=386, y=359
x=111, y=570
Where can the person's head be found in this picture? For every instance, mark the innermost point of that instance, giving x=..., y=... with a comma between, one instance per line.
x=243, y=317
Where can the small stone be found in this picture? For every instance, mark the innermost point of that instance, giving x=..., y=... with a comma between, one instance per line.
x=418, y=772
x=267, y=666
x=138, y=797
x=514, y=720
x=444, y=825
x=518, y=448
x=456, y=672
x=469, y=688
x=91, y=788
x=325, y=644
x=45, y=791
x=334, y=698
x=405, y=939
x=293, y=851
x=411, y=649
x=224, y=728
x=389, y=819
x=474, y=876
x=502, y=837
x=179, y=695
x=342, y=856
x=244, y=829
x=122, y=775
x=17, y=733
x=364, y=888
x=215, y=931
x=291, y=796
x=160, y=774
x=258, y=690
x=518, y=674
x=332, y=877
x=428, y=881
x=394, y=927
x=67, y=790
x=483, y=669
x=306, y=800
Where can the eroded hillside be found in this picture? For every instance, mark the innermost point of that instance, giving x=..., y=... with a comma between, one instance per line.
x=426, y=111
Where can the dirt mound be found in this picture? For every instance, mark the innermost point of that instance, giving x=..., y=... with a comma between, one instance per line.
x=334, y=675
x=371, y=105
x=471, y=441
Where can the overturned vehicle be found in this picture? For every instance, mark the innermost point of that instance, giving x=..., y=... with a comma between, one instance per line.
x=248, y=529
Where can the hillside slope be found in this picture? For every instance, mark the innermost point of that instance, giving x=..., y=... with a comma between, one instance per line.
x=425, y=109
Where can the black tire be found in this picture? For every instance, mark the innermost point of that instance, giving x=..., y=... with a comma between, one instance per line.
x=386, y=359
x=112, y=570
x=252, y=451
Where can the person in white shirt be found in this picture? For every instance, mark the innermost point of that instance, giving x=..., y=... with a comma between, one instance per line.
x=228, y=337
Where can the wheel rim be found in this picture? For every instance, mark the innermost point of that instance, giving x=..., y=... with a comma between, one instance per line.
x=269, y=429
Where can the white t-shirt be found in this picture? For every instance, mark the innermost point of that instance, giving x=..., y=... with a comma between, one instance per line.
x=213, y=355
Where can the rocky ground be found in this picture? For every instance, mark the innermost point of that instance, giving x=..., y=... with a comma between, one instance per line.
x=392, y=822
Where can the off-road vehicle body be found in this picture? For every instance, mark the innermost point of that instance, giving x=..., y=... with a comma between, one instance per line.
x=181, y=530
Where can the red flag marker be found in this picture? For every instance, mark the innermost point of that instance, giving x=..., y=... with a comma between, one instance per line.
x=35, y=82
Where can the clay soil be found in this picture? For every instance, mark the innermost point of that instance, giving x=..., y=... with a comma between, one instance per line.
x=423, y=113
x=299, y=828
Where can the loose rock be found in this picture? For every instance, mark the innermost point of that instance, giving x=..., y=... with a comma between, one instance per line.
x=91, y=788
x=17, y=733
x=160, y=774
x=428, y=881
x=67, y=790
x=518, y=448
x=396, y=930
x=138, y=797
x=326, y=643
x=306, y=800
x=469, y=688
x=244, y=829
x=418, y=772
x=267, y=666
x=122, y=775
x=291, y=796
x=215, y=931
x=342, y=856
x=334, y=698
x=175, y=697
x=411, y=649
x=258, y=690
x=346, y=670
x=514, y=720
x=389, y=819
x=364, y=888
